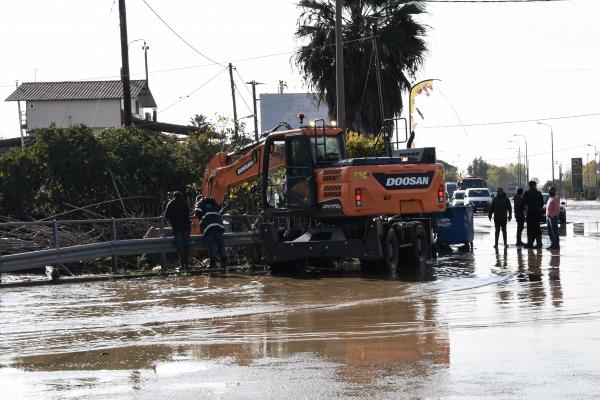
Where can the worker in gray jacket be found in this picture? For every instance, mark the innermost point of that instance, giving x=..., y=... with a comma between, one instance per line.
x=502, y=212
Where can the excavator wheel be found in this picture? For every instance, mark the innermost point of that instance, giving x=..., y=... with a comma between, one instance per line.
x=416, y=255
x=391, y=252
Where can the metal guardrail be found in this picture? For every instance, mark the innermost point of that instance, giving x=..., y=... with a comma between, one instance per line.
x=114, y=248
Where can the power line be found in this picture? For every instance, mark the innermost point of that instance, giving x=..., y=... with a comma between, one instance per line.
x=243, y=82
x=180, y=37
x=242, y=97
x=562, y=150
x=206, y=95
x=194, y=91
x=522, y=121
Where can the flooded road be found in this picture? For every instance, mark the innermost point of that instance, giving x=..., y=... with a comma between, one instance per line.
x=511, y=324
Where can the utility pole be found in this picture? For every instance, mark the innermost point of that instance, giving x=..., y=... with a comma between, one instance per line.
x=526, y=159
x=282, y=84
x=235, y=119
x=339, y=67
x=125, y=64
x=378, y=73
x=20, y=120
x=145, y=47
x=254, y=83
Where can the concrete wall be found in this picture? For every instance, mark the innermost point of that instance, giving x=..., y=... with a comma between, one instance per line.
x=275, y=108
x=93, y=113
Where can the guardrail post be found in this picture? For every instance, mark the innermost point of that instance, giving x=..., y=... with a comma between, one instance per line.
x=113, y=237
x=163, y=256
x=55, y=234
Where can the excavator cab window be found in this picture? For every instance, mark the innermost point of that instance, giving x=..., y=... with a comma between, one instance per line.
x=300, y=185
x=276, y=177
x=325, y=149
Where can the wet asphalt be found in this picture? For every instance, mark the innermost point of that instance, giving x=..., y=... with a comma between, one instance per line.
x=508, y=324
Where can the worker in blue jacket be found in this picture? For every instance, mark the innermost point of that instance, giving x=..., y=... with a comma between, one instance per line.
x=208, y=212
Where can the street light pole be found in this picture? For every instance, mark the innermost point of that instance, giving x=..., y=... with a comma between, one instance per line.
x=145, y=47
x=526, y=158
x=552, y=147
x=595, y=170
x=518, y=162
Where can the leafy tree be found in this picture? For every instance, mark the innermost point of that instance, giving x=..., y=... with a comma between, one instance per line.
x=75, y=167
x=143, y=163
x=21, y=176
x=194, y=153
x=400, y=45
x=499, y=176
x=478, y=168
x=358, y=145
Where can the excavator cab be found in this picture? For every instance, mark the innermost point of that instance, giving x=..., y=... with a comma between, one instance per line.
x=289, y=162
x=288, y=174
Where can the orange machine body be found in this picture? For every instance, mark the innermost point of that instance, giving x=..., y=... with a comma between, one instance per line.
x=378, y=187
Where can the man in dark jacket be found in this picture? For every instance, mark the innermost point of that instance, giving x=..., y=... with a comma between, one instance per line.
x=211, y=224
x=533, y=201
x=178, y=214
x=502, y=211
x=519, y=215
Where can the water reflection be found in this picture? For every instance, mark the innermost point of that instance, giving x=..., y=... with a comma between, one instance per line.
x=554, y=280
x=501, y=260
x=369, y=328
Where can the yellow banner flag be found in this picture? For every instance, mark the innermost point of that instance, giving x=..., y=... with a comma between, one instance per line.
x=426, y=87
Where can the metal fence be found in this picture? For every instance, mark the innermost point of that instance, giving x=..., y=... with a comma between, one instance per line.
x=116, y=245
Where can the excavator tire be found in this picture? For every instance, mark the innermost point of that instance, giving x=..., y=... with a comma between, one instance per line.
x=391, y=252
x=416, y=255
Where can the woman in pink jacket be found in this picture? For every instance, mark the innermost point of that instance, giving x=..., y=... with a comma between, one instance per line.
x=552, y=211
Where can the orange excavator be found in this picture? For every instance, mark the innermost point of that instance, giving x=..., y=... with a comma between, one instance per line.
x=317, y=204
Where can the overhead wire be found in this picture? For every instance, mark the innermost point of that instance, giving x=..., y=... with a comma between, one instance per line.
x=194, y=91
x=522, y=121
x=242, y=97
x=199, y=102
x=180, y=37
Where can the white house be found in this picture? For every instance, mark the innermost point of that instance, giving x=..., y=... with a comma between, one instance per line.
x=97, y=104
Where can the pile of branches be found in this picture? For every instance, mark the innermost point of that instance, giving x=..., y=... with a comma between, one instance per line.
x=25, y=238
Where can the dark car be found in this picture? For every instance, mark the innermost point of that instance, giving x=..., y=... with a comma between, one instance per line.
x=562, y=214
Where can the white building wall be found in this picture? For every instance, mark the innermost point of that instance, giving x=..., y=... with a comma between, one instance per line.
x=284, y=107
x=65, y=113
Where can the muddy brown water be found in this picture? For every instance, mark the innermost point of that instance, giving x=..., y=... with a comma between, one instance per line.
x=509, y=324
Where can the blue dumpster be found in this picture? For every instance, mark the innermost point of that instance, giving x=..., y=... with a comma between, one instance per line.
x=455, y=225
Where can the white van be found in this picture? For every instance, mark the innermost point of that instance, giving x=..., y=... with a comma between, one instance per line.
x=478, y=198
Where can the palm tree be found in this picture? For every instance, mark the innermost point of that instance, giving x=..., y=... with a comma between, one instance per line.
x=371, y=28
x=200, y=121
